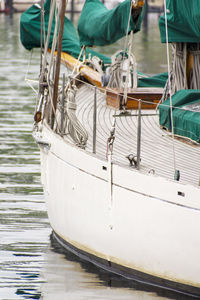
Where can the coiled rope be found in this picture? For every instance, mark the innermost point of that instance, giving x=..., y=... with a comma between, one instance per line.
x=73, y=126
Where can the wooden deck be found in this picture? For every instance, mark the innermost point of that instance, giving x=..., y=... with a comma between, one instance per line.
x=158, y=149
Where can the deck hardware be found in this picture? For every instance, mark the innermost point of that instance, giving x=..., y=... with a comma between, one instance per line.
x=152, y=171
x=110, y=184
x=132, y=159
x=177, y=175
x=43, y=144
x=127, y=114
x=105, y=79
x=38, y=114
x=95, y=120
x=62, y=106
x=181, y=194
x=139, y=135
x=104, y=168
x=124, y=113
x=110, y=143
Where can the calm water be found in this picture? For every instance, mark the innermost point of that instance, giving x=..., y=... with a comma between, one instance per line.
x=30, y=266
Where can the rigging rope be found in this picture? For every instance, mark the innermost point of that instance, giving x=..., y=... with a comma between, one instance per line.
x=195, y=74
x=123, y=63
x=55, y=37
x=72, y=124
x=179, y=80
x=48, y=36
x=28, y=81
x=50, y=82
x=133, y=64
x=127, y=30
x=75, y=128
x=78, y=64
x=185, y=76
x=170, y=89
x=51, y=63
x=115, y=71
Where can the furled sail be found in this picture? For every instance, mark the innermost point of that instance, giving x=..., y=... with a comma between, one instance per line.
x=101, y=26
x=30, y=33
x=183, y=21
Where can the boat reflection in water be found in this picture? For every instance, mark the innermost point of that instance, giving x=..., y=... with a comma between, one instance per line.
x=68, y=277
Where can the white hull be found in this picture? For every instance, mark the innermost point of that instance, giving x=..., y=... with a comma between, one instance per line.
x=150, y=224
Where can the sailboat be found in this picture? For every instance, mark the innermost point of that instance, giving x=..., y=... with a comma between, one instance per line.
x=120, y=150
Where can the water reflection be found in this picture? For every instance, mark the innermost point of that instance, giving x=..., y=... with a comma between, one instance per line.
x=24, y=227
x=72, y=278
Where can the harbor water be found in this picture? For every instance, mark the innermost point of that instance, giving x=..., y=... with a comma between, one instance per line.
x=31, y=265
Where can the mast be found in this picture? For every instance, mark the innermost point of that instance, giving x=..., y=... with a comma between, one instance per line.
x=58, y=56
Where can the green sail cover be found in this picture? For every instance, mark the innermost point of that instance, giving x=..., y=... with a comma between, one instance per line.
x=158, y=80
x=30, y=33
x=100, y=26
x=183, y=20
x=186, y=121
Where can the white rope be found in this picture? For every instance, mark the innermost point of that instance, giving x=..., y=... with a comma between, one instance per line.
x=48, y=36
x=29, y=63
x=43, y=22
x=129, y=45
x=127, y=30
x=195, y=74
x=77, y=66
x=75, y=128
x=128, y=69
x=115, y=71
x=51, y=62
x=118, y=63
x=55, y=8
x=28, y=80
x=55, y=38
x=179, y=67
x=94, y=63
x=169, y=80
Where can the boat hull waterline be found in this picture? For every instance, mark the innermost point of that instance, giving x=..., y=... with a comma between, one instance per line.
x=141, y=232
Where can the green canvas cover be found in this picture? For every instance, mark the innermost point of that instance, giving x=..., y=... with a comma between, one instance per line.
x=186, y=114
x=30, y=38
x=100, y=26
x=183, y=20
x=158, y=80
x=30, y=33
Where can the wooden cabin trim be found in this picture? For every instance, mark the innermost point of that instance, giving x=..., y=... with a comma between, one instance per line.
x=150, y=97
x=91, y=75
x=114, y=96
